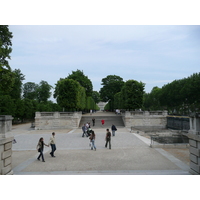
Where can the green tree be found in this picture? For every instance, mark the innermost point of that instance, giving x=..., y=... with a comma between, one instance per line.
x=83, y=80
x=7, y=106
x=20, y=109
x=132, y=93
x=30, y=90
x=152, y=99
x=118, y=101
x=43, y=91
x=6, y=75
x=29, y=109
x=112, y=84
x=67, y=93
x=17, y=87
x=5, y=46
x=96, y=96
x=81, y=98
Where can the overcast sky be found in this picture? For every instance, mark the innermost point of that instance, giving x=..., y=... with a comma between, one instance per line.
x=155, y=55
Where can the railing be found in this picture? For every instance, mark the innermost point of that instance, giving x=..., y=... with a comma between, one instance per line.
x=147, y=113
x=45, y=114
x=56, y=114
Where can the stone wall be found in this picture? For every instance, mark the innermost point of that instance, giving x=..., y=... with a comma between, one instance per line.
x=194, y=141
x=57, y=120
x=150, y=120
x=5, y=145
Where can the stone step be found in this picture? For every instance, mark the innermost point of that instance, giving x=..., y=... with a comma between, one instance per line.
x=109, y=120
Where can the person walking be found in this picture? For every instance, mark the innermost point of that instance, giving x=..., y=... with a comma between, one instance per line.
x=113, y=128
x=84, y=130
x=52, y=142
x=93, y=120
x=40, y=148
x=92, y=140
x=102, y=121
x=108, y=138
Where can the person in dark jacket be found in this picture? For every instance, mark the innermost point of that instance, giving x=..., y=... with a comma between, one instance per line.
x=40, y=148
x=113, y=128
x=108, y=138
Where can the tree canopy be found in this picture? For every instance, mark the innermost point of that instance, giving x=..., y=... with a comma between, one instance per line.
x=112, y=84
x=83, y=80
x=6, y=75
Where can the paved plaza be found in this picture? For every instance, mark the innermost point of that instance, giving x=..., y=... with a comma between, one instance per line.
x=130, y=154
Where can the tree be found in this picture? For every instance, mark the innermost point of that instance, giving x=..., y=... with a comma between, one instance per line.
x=152, y=99
x=5, y=46
x=7, y=106
x=6, y=75
x=132, y=93
x=17, y=87
x=29, y=109
x=118, y=101
x=43, y=91
x=96, y=96
x=30, y=90
x=67, y=93
x=112, y=84
x=83, y=80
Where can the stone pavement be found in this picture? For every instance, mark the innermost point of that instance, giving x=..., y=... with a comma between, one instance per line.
x=130, y=154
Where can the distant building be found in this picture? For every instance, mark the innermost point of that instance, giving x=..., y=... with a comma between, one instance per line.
x=101, y=105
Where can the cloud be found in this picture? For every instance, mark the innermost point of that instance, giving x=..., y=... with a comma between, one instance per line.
x=151, y=54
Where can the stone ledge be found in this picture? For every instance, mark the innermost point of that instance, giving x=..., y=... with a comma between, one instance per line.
x=193, y=143
x=6, y=140
x=194, y=158
x=8, y=146
x=6, y=154
x=195, y=167
x=7, y=161
x=195, y=151
x=169, y=145
x=6, y=170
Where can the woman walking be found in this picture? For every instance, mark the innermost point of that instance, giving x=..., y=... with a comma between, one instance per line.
x=40, y=148
x=92, y=140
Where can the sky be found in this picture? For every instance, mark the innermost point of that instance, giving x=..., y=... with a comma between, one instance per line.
x=153, y=54
x=150, y=41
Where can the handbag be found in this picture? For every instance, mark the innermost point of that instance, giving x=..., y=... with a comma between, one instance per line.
x=39, y=150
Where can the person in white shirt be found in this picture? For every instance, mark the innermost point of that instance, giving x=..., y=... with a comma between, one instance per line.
x=52, y=142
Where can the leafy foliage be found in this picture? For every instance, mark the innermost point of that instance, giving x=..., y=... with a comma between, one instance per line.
x=83, y=80
x=178, y=97
x=112, y=84
x=5, y=46
x=132, y=95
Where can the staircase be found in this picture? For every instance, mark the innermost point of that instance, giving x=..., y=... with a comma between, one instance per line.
x=109, y=120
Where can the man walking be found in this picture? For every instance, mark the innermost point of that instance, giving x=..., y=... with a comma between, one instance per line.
x=113, y=128
x=108, y=138
x=52, y=142
x=93, y=120
x=84, y=130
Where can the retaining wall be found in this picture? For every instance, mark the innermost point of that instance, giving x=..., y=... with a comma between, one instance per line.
x=57, y=120
x=5, y=145
x=150, y=120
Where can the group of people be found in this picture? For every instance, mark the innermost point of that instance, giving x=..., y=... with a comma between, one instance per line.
x=40, y=146
x=86, y=130
x=89, y=132
x=107, y=139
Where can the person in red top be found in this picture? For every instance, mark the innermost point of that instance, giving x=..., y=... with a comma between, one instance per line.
x=102, y=121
